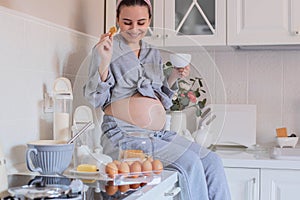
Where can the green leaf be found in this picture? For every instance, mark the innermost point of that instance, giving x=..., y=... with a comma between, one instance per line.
x=202, y=103
x=185, y=101
x=168, y=63
x=200, y=82
x=183, y=81
x=175, y=107
x=197, y=94
x=198, y=112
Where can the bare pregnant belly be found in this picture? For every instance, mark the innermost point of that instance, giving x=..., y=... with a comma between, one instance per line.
x=138, y=110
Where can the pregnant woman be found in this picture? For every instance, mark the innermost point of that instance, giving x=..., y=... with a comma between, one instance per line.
x=126, y=80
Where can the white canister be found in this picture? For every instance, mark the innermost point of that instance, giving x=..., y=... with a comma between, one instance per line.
x=62, y=114
x=3, y=175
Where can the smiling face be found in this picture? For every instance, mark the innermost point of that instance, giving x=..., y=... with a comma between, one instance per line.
x=133, y=22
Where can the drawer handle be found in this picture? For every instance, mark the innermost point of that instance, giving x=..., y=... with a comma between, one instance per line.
x=251, y=188
x=173, y=192
x=297, y=32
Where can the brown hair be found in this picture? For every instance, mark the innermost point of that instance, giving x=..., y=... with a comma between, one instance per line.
x=133, y=3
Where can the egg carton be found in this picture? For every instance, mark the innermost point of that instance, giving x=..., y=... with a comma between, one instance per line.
x=151, y=178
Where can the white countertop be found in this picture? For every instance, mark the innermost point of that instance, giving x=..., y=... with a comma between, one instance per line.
x=259, y=159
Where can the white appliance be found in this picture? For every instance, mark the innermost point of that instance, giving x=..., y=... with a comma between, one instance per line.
x=234, y=125
x=3, y=175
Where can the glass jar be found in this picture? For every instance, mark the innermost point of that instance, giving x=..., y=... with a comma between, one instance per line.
x=62, y=111
x=135, y=146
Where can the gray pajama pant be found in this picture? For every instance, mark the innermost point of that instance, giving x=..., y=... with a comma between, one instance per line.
x=201, y=172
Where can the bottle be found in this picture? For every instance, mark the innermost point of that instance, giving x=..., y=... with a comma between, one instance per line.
x=84, y=144
x=62, y=112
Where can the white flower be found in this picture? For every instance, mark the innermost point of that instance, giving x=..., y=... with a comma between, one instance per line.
x=184, y=86
x=175, y=96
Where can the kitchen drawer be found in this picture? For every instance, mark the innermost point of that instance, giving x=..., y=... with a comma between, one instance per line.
x=166, y=190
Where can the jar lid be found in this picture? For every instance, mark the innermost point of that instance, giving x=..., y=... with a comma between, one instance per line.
x=62, y=88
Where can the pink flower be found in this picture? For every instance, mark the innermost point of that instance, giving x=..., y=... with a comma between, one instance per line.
x=182, y=95
x=192, y=97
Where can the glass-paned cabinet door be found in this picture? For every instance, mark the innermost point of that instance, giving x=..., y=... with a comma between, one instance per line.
x=155, y=33
x=195, y=22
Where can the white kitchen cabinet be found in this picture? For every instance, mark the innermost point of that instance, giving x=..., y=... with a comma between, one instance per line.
x=280, y=184
x=220, y=22
x=243, y=183
x=255, y=175
x=263, y=22
x=183, y=23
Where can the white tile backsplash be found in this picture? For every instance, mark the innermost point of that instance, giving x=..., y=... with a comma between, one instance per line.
x=34, y=53
x=265, y=90
x=234, y=77
x=291, y=90
x=12, y=40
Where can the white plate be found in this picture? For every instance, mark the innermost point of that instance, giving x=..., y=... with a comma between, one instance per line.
x=32, y=192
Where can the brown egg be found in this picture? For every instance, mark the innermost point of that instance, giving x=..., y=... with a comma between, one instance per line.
x=111, y=169
x=157, y=166
x=135, y=169
x=129, y=162
x=147, y=168
x=150, y=158
x=124, y=188
x=117, y=162
x=110, y=188
x=123, y=168
x=143, y=184
x=134, y=186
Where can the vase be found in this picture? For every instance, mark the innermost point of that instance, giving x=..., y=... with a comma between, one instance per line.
x=178, y=122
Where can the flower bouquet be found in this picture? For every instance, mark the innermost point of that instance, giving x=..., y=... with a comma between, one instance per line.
x=188, y=94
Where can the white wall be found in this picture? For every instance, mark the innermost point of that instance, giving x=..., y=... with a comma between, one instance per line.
x=86, y=16
x=33, y=53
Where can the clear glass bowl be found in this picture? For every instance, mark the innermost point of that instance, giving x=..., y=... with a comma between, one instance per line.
x=135, y=147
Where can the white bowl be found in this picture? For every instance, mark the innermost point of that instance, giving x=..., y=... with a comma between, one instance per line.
x=180, y=60
x=287, y=141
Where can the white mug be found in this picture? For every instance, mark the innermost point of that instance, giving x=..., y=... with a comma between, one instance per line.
x=180, y=60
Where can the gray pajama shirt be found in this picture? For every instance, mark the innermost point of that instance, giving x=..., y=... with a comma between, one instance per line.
x=201, y=173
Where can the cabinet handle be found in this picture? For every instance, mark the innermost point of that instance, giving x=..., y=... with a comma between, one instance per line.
x=297, y=32
x=173, y=192
x=251, y=189
x=158, y=36
x=166, y=36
